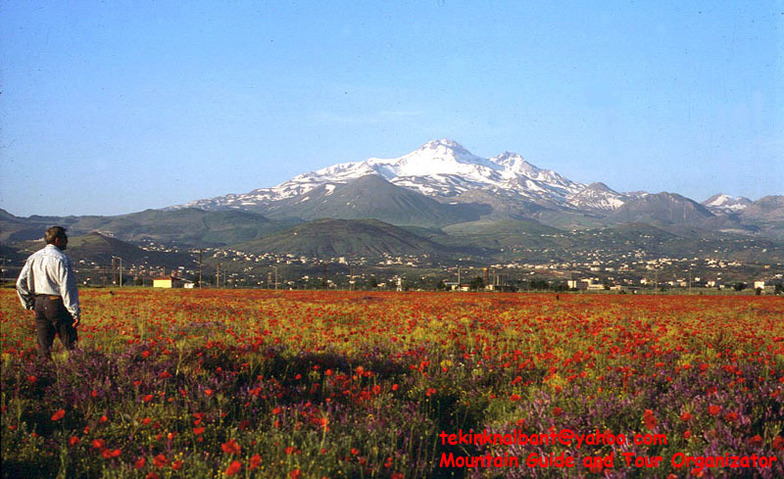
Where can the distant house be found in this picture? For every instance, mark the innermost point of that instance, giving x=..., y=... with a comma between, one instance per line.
x=167, y=282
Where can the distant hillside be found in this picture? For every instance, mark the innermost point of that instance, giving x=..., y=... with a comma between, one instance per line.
x=766, y=213
x=371, y=196
x=97, y=248
x=14, y=229
x=662, y=209
x=188, y=226
x=499, y=234
x=337, y=237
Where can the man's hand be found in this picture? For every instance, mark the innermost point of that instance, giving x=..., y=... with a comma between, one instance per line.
x=76, y=322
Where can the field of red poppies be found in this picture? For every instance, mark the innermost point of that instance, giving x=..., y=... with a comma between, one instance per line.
x=248, y=383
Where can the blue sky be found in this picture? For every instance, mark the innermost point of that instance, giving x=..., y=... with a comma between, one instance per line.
x=114, y=107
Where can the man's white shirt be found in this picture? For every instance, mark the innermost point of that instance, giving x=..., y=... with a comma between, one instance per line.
x=48, y=271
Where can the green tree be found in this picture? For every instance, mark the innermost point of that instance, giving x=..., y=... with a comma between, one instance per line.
x=477, y=283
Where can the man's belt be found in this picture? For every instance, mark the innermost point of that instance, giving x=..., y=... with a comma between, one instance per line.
x=49, y=296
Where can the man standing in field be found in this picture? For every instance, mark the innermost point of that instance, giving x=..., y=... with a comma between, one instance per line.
x=47, y=285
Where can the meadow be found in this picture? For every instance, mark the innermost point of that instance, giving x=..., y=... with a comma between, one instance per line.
x=305, y=384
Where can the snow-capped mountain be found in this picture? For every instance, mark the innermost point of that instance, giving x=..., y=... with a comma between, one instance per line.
x=442, y=169
x=598, y=197
x=726, y=204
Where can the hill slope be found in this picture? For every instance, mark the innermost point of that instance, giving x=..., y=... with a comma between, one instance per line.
x=99, y=249
x=373, y=197
x=327, y=238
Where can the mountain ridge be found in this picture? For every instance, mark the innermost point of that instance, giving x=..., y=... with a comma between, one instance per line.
x=449, y=173
x=440, y=168
x=441, y=192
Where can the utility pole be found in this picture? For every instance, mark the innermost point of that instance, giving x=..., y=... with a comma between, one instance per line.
x=119, y=277
x=217, y=276
x=655, y=281
x=200, y=251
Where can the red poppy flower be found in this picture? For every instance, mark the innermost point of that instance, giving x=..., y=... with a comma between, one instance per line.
x=109, y=453
x=731, y=416
x=233, y=468
x=160, y=460
x=778, y=443
x=231, y=447
x=58, y=415
x=649, y=419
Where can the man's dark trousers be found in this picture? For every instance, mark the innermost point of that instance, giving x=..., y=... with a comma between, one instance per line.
x=52, y=318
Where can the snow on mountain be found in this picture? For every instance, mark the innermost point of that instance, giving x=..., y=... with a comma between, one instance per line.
x=598, y=196
x=441, y=169
x=726, y=204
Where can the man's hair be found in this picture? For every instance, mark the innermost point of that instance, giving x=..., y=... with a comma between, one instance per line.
x=54, y=232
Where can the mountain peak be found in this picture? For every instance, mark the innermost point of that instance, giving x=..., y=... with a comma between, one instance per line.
x=438, y=157
x=599, y=186
x=444, y=143
x=726, y=203
x=514, y=164
x=598, y=197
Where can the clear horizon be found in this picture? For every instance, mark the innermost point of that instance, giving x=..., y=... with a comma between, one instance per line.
x=114, y=108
